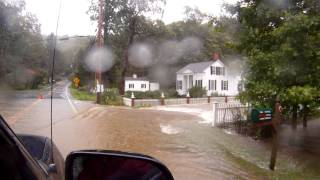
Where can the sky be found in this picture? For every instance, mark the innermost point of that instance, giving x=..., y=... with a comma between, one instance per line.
x=75, y=21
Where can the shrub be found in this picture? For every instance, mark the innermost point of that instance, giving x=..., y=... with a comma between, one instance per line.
x=112, y=97
x=171, y=93
x=144, y=95
x=197, y=91
x=216, y=94
x=81, y=94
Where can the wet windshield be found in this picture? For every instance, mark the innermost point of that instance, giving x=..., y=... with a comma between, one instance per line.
x=225, y=89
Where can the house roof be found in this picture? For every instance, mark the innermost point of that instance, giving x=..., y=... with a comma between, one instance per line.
x=136, y=79
x=196, y=67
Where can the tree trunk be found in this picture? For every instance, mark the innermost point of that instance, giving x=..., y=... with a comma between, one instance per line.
x=305, y=115
x=294, y=116
x=124, y=71
x=126, y=56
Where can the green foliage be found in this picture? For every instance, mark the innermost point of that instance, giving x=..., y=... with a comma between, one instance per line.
x=282, y=46
x=82, y=94
x=261, y=94
x=127, y=24
x=197, y=91
x=25, y=56
x=112, y=97
x=144, y=95
x=300, y=95
x=169, y=93
x=216, y=94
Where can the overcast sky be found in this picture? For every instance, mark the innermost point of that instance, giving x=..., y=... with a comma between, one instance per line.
x=75, y=21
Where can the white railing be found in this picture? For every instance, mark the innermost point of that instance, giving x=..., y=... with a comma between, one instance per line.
x=146, y=102
x=126, y=101
x=198, y=100
x=176, y=101
x=231, y=112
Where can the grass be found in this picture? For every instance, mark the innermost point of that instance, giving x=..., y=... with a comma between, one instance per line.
x=82, y=95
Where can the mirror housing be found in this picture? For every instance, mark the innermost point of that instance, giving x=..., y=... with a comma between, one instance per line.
x=93, y=164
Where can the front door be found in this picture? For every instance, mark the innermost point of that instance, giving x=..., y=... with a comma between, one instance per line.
x=187, y=82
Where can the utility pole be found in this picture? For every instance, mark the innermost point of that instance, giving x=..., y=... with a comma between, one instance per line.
x=100, y=42
x=275, y=132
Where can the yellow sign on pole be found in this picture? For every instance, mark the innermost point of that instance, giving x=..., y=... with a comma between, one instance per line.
x=76, y=82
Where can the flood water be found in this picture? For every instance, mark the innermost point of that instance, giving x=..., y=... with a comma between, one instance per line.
x=189, y=148
x=180, y=137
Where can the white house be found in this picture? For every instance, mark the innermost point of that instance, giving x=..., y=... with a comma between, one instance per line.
x=212, y=75
x=142, y=84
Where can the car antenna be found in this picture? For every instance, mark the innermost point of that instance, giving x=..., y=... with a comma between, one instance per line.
x=52, y=166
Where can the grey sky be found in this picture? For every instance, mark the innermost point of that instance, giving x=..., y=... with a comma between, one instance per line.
x=75, y=21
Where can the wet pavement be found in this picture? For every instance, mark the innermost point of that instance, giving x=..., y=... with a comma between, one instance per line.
x=29, y=111
x=180, y=136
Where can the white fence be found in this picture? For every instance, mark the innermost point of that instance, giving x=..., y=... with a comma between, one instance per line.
x=146, y=102
x=126, y=101
x=175, y=101
x=231, y=112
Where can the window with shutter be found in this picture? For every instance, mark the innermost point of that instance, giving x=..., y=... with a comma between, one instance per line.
x=179, y=84
x=213, y=70
x=224, y=85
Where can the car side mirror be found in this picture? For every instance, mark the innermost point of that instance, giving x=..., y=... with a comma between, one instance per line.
x=114, y=165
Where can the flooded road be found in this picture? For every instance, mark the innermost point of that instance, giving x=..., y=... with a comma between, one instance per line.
x=29, y=111
x=179, y=136
x=190, y=148
x=174, y=138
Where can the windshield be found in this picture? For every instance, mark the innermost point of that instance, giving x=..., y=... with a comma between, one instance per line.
x=225, y=89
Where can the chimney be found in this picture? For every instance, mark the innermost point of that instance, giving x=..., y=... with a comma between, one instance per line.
x=215, y=56
x=134, y=76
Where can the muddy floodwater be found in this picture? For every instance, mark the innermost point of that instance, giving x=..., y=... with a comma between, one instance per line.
x=190, y=148
x=180, y=136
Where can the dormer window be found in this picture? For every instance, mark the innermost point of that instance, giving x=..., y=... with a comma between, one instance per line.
x=219, y=71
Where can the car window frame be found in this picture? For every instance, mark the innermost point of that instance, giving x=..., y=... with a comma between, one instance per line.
x=34, y=164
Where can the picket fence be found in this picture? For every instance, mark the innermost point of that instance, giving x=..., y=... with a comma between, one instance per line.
x=225, y=114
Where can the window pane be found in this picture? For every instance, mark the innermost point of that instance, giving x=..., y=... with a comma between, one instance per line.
x=218, y=71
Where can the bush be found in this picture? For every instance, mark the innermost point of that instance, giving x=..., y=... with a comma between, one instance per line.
x=216, y=94
x=171, y=93
x=81, y=94
x=112, y=97
x=144, y=95
x=197, y=91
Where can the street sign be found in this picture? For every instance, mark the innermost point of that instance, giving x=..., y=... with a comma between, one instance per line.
x=261, y=115
x=76, y=82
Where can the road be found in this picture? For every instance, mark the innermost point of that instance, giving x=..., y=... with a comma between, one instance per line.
x=29, y=111
x=179, y=136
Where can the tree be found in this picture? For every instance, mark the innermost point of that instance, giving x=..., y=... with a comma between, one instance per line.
x=22, y=50
x=281, y=42
x=172, y=46
x=124, y=23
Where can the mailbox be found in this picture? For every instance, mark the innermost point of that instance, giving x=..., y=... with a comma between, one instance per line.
x=261, y=115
